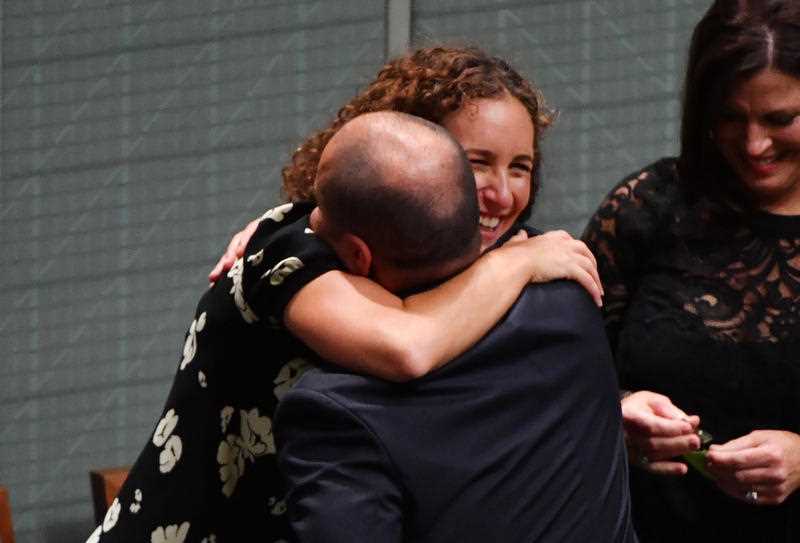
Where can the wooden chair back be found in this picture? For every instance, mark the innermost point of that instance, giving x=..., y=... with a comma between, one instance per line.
x=6, y=528
x=106, y=484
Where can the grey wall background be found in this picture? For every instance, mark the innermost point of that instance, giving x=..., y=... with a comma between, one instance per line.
x=138, y=135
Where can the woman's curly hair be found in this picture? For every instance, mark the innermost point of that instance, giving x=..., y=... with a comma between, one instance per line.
x=429, y=83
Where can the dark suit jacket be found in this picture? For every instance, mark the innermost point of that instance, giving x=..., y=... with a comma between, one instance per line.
x=519, y=439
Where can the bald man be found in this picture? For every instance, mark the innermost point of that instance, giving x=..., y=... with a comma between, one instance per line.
x=395, y=196
x=398, y=202
x=518, y=439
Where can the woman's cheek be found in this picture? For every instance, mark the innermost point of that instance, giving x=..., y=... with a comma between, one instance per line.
x=480, y=179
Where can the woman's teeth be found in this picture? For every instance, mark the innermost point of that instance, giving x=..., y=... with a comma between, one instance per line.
x=489, y=222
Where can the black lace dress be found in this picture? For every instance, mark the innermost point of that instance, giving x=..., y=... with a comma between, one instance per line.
x=705, y=312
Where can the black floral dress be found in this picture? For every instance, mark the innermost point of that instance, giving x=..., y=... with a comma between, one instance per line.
x=208, y=473
x=706, y=312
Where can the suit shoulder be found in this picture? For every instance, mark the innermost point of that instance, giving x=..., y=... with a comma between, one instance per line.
x=558, y=306
x=330, y=390
x=304, y=407
x=562, y=293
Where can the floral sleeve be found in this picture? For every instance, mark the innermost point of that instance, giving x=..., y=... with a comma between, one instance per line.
x=281, y=258
x=623, y=233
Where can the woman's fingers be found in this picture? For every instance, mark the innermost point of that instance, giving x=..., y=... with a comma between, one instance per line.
x=227, y=259
x=762, y=467
x=753, y=439
x=740, y=459
x=663, y=448
x=658, y=431
x=568, y=258
x=234, y=251
x=590, y=282
x=522, y=235
x=666, y=467
x=649, y=414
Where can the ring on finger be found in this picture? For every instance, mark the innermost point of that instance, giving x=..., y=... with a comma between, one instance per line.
x=643, y=461
x=751, y=496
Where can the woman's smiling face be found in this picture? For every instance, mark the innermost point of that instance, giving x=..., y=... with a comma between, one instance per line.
x=758, y=134
x=497, y=136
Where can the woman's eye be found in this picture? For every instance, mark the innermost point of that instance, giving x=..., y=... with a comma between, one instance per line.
x=521, y=167
x=479, y=162
x=728, y=116
x=780, y=119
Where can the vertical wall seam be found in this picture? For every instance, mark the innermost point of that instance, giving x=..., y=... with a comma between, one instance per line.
x=398, y=27
x=2, y=94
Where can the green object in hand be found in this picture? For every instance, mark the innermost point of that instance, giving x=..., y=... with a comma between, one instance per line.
x=697, y=459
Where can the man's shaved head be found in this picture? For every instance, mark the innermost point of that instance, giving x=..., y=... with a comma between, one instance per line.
x=404, y=186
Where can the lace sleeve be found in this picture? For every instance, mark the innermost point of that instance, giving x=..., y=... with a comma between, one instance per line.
x=623, y=233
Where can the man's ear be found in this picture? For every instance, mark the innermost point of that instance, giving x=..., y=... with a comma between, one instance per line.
x=315, y=220
x=355, y=254
x=351, y=249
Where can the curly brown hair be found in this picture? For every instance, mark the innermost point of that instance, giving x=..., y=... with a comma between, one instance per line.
x=429, y=83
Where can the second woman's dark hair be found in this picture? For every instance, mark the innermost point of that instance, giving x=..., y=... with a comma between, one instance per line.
x=733, y=41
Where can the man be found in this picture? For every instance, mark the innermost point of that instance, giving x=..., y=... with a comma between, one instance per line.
x=208, y=472
x=519, y=439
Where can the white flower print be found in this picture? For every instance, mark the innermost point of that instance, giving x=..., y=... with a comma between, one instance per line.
x=95, y=537
x=282, y=270
x=201, y=378
x=210, y=539
x=256, y=259
x=277, y=214
x=276, y=507
x=225, y=417
x=231, y=464
x=237, y=290
x=288, y=376
x=165, y=427
x=171, y=534
x=136, y=506
x=112, y=515
x=256, y=440
x=190, y=347
x=171, y=454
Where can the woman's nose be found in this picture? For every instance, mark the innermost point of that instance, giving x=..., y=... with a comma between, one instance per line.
x=758, y=140
x=498, y=190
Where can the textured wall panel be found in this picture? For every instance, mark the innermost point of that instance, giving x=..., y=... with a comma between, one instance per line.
x=137, y=136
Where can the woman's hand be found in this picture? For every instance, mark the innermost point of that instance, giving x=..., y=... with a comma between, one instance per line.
x=657, y=431
x=234, y=251
x=762, y=467
x=556, y=255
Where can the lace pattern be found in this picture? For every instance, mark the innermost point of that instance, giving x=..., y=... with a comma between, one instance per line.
x=743, y=287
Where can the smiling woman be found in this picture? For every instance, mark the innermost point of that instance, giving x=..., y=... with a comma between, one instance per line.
x=700, y=257
x=497, y=135
x=758, y=133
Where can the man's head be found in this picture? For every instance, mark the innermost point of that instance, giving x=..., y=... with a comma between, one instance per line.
x=397, y=200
